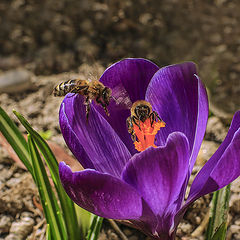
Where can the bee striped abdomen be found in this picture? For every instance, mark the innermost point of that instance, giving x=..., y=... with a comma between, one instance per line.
x=64, y=88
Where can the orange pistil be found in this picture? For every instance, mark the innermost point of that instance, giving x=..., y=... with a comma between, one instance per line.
x=146, y=134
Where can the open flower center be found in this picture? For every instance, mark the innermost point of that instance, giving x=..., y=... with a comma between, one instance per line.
x=146, y=133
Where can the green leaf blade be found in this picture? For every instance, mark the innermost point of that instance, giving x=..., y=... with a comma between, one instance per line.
x=220, y=233
x=85, y=219
x=15, y=139
x=67, y=204
x=45, y=149
x=48, y=199
x=95, y=228
x=48, y=233
x=218, y=214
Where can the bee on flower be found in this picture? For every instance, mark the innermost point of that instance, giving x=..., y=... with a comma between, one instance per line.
x=147, y=188
x=143, y=125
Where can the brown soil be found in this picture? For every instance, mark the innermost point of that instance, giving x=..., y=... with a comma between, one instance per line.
x=18, y=196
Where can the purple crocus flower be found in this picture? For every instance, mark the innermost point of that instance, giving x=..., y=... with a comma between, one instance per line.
x=146, y=188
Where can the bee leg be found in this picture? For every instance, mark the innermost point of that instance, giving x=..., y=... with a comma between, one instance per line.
x=87, y=111
x=133, y=137
x=129, y=124
x=157, y=116
x=105, y=109
x=130, y=129
x=152, y=118
x=103, y=105
x=135, y=121
x=87, y=104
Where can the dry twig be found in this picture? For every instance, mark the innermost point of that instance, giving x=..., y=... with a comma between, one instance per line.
x=198, y=231
x=35, y=228
x=117, y=229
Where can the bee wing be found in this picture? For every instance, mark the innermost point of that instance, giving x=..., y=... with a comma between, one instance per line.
x=92, y=75
x=91, y=71
x=121, y=97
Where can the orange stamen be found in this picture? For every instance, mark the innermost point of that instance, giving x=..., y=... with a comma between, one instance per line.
x=146, y=134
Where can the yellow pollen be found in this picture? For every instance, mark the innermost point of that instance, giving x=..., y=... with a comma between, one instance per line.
x=146, y=134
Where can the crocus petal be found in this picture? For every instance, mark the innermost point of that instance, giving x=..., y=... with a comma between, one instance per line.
x=158, y=174
x=131, y=74
x=72, y=141
x=128, y=80
x=101, y=194
x=179, y=97
x=94, y=138
x=223, y=167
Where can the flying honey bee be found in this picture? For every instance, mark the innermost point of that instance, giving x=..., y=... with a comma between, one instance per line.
x=141, y=110
x=91, y=90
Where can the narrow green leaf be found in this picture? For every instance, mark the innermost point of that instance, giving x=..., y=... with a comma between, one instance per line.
x=67, y=204
x=46, y=135
x=48, y=233
x=48, y=199
x=15, y=139
x=95, y=228
x=46, y=151
x=218, y=213
x=220, y=234
x=85, y=219
x=98, y=228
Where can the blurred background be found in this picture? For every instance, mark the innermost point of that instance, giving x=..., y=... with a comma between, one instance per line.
x=53, y=36
x=45, y=42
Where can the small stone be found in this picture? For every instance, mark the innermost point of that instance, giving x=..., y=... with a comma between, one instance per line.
x=4, y=159
x=102, y=235
x=236, y=67
x=208, y=148
x=5, y=223
x=215, y=129
x=13, y=182
x=235, y=186
x=237, y=222
x=235, y=203
x=20, y=229
x=12, y=237
x=127, y=232
x=15, y=81
x=185, y=227
x=235, y=231
x=112, y=235
x=133, y=238
x=9, y=62
x=5, y=173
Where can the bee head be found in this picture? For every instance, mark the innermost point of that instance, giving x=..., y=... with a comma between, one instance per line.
x=142, y=112
x=106, y=95
x=141, y=109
